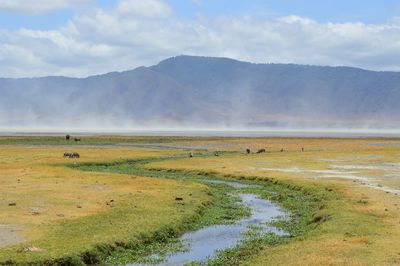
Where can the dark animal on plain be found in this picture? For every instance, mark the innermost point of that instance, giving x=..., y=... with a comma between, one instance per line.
x=302, y=149
x=71, y=154
x=282, y=150
x=248, y=151
x=77, y=139
x=261, y=151
x=216, y=153
x=67, y=137
x=190, y=155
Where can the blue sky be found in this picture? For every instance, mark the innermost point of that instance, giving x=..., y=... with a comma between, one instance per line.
x=85, y=37
x=367, y=11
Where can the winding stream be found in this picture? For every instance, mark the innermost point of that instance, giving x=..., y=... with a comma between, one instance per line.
x=206, y=242
x=203, y=244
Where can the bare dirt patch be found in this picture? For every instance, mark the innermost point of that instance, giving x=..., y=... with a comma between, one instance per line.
x=10, y=235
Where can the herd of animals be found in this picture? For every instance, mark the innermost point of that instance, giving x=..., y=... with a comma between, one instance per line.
x=68, y=137
x=71, y=154
x=76, y=155
x=248, y=151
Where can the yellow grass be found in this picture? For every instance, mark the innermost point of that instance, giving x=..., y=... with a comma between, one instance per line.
x=48, y=195
x=364, y=228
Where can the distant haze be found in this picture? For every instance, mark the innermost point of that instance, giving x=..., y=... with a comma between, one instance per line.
x=187, y=92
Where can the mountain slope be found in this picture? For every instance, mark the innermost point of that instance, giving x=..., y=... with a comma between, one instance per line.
x=302, y=92
x=198, y=91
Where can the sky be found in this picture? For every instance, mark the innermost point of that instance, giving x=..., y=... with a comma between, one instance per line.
x=86, y=37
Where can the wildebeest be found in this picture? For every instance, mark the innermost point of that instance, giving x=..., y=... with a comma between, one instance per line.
x=261, y=151
x=282, y=150
x=302, y=149
x=248, y=151
x=77, y=139
x=191, y=155
x=71, y=154
x=216, y=153
x=67, y=137
x=67, y=154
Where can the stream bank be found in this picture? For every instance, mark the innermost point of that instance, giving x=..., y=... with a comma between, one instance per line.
x=301, y=205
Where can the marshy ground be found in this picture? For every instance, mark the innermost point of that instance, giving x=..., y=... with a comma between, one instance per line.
x=119, y=200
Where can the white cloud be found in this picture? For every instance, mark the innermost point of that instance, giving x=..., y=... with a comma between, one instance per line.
x=140, y=8
x=134, y=34
x=39, y=6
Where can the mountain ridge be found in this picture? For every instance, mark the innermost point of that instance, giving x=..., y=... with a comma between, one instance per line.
x=208, y=57
x=206, y=91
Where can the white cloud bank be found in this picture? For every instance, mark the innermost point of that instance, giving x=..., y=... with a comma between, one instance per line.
x=138, y=33
x=37, y=7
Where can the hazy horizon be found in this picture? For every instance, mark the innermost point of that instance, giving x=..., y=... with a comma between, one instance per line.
x=206, y=132
x=245, y=65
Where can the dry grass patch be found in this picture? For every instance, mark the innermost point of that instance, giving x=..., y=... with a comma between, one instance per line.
x=364, y=223
x=62, y=211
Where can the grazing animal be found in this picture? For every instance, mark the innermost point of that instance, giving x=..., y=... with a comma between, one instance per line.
x=67, y=154
x=302, y=149
x=191, y=155
x=67, y=137
x=216, y=153
x=248, y=151
x=282, y=150
x=77, y=139
x=261, y=151
x=71, y=154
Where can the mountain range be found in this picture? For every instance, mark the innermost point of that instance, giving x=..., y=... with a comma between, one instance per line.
x=191, y=91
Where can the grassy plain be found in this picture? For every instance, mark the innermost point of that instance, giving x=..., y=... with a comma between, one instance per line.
x=65, y=213
x=361, y=227
x=355, y=181
x=223, y=210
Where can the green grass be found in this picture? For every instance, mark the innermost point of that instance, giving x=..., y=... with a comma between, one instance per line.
x=334, y=221
x=95, y=140
x=91, y=239
x=302, y=205
x=224, y=210
x=112, y=237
